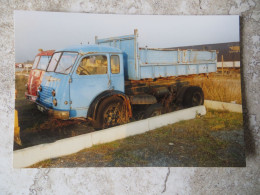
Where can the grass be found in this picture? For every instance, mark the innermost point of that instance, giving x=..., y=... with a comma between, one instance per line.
x=20, y=81
x=187, y=143
x=220, y=88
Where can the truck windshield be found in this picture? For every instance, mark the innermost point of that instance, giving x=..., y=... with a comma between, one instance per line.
x=55, y=58
x=43, y=63
x=66, y=62
x=35, y=62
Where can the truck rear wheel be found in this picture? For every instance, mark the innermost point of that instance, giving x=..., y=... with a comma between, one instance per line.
x=193, y=97
x=153, y=110
x=111, y=112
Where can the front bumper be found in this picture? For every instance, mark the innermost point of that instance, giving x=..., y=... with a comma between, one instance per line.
x=29, y=97
x=59, y=114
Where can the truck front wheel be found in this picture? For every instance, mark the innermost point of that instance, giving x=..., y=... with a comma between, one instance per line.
x=111, y=112
x=193, y=97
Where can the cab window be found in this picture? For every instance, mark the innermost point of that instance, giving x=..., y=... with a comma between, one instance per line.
x=35, y=63
x=66, y=62
x=93, y=65
x=115, y=64
x=43, y=63
x=54, y=60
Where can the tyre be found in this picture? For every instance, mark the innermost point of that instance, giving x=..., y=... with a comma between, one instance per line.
x=153, y=110
x=193, y=97
x=111, y=112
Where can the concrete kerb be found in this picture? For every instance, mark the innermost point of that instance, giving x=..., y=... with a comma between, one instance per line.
x=29, y=156
x=170, y=118
x=231, y=107
x=120, y=132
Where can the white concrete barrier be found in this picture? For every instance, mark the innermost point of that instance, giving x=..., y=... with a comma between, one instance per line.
x=173, y=117
x=29, y=156
x=231, y=107
x=120, y=132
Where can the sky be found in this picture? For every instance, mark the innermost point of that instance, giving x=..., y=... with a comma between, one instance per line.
x=56, y=30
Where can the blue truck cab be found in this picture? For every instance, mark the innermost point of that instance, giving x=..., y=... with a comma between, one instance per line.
x=76, y=76
x=103, y=82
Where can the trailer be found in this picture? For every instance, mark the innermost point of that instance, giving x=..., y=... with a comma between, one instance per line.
x=109, y=81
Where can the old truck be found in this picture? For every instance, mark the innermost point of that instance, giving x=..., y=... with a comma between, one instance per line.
x=113, y=79
x=36, y=74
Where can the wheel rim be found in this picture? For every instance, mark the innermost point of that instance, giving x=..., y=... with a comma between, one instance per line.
x=112, y=115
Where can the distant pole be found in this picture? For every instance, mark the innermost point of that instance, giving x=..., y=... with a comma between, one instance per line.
x=96, y=38
x=222, y=59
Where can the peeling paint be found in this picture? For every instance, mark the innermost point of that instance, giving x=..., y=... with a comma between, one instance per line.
x=50, y=78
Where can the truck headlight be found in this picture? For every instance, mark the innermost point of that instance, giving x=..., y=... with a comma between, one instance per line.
x=53, y=93
x=54, y=101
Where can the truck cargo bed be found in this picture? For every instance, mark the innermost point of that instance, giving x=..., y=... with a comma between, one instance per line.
x=144, y=63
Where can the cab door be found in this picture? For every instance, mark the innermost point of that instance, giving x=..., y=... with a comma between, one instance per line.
x=90, y=78
x=117, y=72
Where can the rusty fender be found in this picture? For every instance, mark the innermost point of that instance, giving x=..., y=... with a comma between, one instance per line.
x=92, y=112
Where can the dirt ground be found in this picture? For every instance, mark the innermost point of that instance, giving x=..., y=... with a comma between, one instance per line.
x=45, y=129
x=213, y=140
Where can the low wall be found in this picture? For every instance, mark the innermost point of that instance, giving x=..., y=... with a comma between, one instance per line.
x=29, y=156
x=223, y=106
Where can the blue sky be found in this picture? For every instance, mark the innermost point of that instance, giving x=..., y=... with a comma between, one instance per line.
x=55, y=30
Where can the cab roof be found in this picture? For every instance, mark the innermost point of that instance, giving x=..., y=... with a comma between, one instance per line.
x=46, y=53
x=91, y=48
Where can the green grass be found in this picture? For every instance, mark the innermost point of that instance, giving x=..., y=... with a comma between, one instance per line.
x=187, y=143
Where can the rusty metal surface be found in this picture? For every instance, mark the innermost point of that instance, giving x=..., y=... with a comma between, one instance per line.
x=146, y=85
x=143, y=99
x=160, y=91
x=93, y=109
x=46, y=53
x=58, y=114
